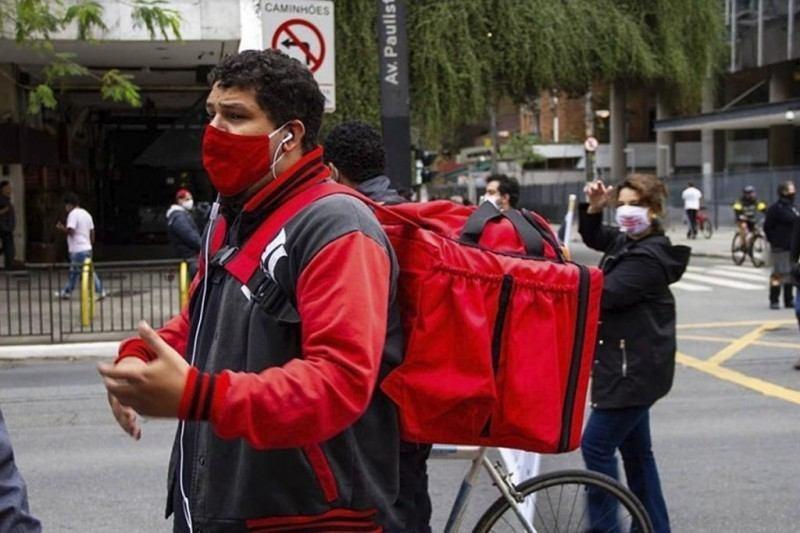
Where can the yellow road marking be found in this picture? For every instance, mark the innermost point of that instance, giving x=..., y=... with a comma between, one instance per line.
x=723, y=340
x=736, y=324
x=739, y=344
x=764, y=387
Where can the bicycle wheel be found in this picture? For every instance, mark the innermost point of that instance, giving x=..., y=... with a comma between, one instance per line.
x=758, y=251
x=708, y=229
x=559, y=502
x=738, y=249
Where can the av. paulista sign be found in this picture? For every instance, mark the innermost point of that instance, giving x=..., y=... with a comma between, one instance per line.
x=303, y=29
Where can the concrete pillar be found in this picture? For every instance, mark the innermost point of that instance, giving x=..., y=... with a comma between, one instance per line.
x=781, y=138
x=707, y=141
x=665, y=142
x=617, y=131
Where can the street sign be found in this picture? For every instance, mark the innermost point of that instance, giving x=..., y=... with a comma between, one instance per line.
x=303, y=29
x=590, y=144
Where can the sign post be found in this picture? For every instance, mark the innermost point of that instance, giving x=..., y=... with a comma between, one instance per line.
x=395, y=121
x=304, y=29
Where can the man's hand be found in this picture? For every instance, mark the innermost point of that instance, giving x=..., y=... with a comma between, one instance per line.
x=151, y=389
x=598, y=195
x=60, y=226
x=126, y=417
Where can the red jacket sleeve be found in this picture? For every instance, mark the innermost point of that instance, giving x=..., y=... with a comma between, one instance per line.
x=342, y=298
x=175, y=332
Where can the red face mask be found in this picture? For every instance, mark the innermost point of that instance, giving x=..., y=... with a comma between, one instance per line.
x=235, y=162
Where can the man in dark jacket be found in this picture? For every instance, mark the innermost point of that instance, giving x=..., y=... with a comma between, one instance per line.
x=182, y=229
x=354, y=152
x=283, y=426
x=778, y=225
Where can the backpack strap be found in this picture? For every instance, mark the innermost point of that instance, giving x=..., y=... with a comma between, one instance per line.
x=243, y=263
x=486, y=212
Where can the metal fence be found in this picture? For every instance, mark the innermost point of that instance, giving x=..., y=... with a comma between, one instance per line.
x=550, y=200
x=32, y=311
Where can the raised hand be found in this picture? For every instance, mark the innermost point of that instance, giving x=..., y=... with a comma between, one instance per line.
x=598, y=195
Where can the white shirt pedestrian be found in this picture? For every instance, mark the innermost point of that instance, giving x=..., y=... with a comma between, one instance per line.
x=80, y=239
x=691, y=198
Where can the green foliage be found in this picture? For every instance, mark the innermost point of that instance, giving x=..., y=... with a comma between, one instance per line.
x=118, y=87
x=357, y=88
x=33, y=22
x=41, y=96
x=520, y=148
x=88, y=15
x=151, y=15
x=466, y=55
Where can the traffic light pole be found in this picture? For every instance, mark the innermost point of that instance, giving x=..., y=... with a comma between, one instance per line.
x=395, y=109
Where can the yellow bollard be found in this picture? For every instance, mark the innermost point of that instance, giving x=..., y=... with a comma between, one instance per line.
x=183, y=282
x=87, y=293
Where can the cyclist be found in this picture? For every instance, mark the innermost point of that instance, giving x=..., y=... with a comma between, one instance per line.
x=746, y=209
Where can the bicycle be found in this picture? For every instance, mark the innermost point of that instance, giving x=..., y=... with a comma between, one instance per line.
x=704, y=224
x=754, y=245
x=558, y=498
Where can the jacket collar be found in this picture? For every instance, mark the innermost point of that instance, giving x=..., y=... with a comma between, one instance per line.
x=308, y=169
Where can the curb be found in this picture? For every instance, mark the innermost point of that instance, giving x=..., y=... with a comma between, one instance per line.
x=78, y=350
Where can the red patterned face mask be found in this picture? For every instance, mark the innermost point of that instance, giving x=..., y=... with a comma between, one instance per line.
x=235, y=162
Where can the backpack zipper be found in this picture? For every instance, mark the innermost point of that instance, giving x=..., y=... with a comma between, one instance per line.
x=624, y=358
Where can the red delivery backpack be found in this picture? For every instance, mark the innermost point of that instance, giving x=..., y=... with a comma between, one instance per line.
x=499, y=344
x=499, y=327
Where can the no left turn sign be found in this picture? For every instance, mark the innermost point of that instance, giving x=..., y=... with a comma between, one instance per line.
x=301, y=35
x=303, y=29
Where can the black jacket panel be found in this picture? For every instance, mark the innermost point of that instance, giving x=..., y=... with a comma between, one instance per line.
x=779, y=222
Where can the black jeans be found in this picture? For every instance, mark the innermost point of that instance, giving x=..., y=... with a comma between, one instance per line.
x=9, y=251
x=691, y=214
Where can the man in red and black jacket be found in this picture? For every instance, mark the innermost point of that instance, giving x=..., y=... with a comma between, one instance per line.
x=274, y=371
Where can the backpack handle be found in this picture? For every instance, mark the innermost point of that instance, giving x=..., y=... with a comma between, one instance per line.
x=486, y=212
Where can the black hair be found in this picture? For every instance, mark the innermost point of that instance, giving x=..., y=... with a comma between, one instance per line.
x=356, y=149
x=71, y=198
x=506, y=185
x=4, y=183
x=783, y=187
x=285, y=88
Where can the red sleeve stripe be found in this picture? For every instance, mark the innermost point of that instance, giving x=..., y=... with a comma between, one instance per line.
x=197, y=396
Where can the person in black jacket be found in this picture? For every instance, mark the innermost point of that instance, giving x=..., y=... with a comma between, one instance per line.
x=354, y=153
x=778, y=229
x=182, y=229
x=635, y=356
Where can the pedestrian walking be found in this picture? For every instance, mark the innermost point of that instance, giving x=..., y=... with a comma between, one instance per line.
x=8, y=222
x=691, y=205
x=15, y=515
x=182, y=230
x=635, y=356
x=778, y=224
x=274, y=368
x=80, y=240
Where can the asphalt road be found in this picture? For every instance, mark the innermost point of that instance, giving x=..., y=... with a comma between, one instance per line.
x=726, y=438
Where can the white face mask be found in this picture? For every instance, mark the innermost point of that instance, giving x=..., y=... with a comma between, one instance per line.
x=187, y=204
x=494, y=200
x=633, y=219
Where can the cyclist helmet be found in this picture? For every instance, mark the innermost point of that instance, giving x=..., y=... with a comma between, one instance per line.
x=749, y=189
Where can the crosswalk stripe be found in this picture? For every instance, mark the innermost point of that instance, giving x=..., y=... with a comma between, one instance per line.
x=723, y=282
x=740, y=275
x=742, y=269
x=689, y=286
